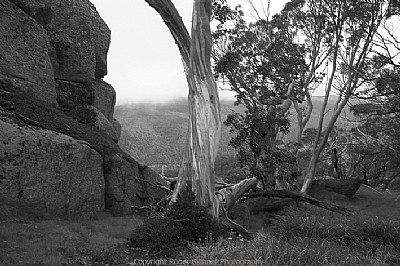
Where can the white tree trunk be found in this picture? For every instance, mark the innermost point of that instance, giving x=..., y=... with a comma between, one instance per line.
x=204, y=130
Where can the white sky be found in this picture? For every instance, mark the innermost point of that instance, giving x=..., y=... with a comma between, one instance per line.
x=144, y=63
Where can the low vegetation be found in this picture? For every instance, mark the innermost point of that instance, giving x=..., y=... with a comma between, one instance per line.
x=182, y=223
x=309, y=236
x=28, y=238
x=296, y=236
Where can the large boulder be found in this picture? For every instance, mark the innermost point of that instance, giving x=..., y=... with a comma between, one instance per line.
x=24, y=56
x=49, y=170
x=323, y=187
x=53, y=54
x=78, y=36
x=130, y=184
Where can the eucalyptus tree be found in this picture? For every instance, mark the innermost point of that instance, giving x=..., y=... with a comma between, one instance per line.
x=271, y=64
x=245, y=66
x=197, y=167
x=354, y=28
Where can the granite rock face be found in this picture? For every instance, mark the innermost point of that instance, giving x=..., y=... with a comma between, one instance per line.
x=58, y=137
x=24, y=53
x=49, y=170
x=96, y=93
x=102, y=124
x=129, y=184
x=79, y=38
x=104, y=98
x=118, y=128
x=44, y=42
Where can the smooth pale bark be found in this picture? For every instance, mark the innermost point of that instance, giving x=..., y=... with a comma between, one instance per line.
x=204, y=113
x=356, y=60
x=197, y=168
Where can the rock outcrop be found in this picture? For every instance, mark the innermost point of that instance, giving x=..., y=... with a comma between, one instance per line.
x=58, y=149
x=128, y=183
x=24, y=53
x=50, y=170
x=79, y=38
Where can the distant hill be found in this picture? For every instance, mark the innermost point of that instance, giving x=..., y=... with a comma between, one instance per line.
x=154, y=133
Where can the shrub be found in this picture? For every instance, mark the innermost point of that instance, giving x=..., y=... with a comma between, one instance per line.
x=184, y=222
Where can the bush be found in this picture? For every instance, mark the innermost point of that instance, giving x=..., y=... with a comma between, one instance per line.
x=184, y=222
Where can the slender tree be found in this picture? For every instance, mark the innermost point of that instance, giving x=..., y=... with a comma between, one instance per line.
x=354, y=27
x=272, y=64
x=309, y=44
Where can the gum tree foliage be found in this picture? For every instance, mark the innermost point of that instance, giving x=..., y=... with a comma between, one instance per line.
x=375, y=148
x=355, y=26
x=260, y=70
x=311, y=43
x=377, y=151
x=270, y=69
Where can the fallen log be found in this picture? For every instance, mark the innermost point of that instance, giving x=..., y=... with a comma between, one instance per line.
x=373, y=189
x=300, y=198
x=254, y=206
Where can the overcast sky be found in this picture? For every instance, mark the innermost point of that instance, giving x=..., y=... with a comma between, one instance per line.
x=144, y=63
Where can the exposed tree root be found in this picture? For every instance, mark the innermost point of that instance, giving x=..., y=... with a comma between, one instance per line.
x=228, y=194
x=226, y=221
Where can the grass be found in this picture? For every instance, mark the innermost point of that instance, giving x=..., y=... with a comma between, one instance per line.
x=295, y=236
x=305, y=236
x=311, y=236
x=61, y=242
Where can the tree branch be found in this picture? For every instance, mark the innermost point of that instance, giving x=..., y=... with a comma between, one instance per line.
x=300, y=197
x=171, y=17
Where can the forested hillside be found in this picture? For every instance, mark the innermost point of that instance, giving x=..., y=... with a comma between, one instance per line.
x=154, y=133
